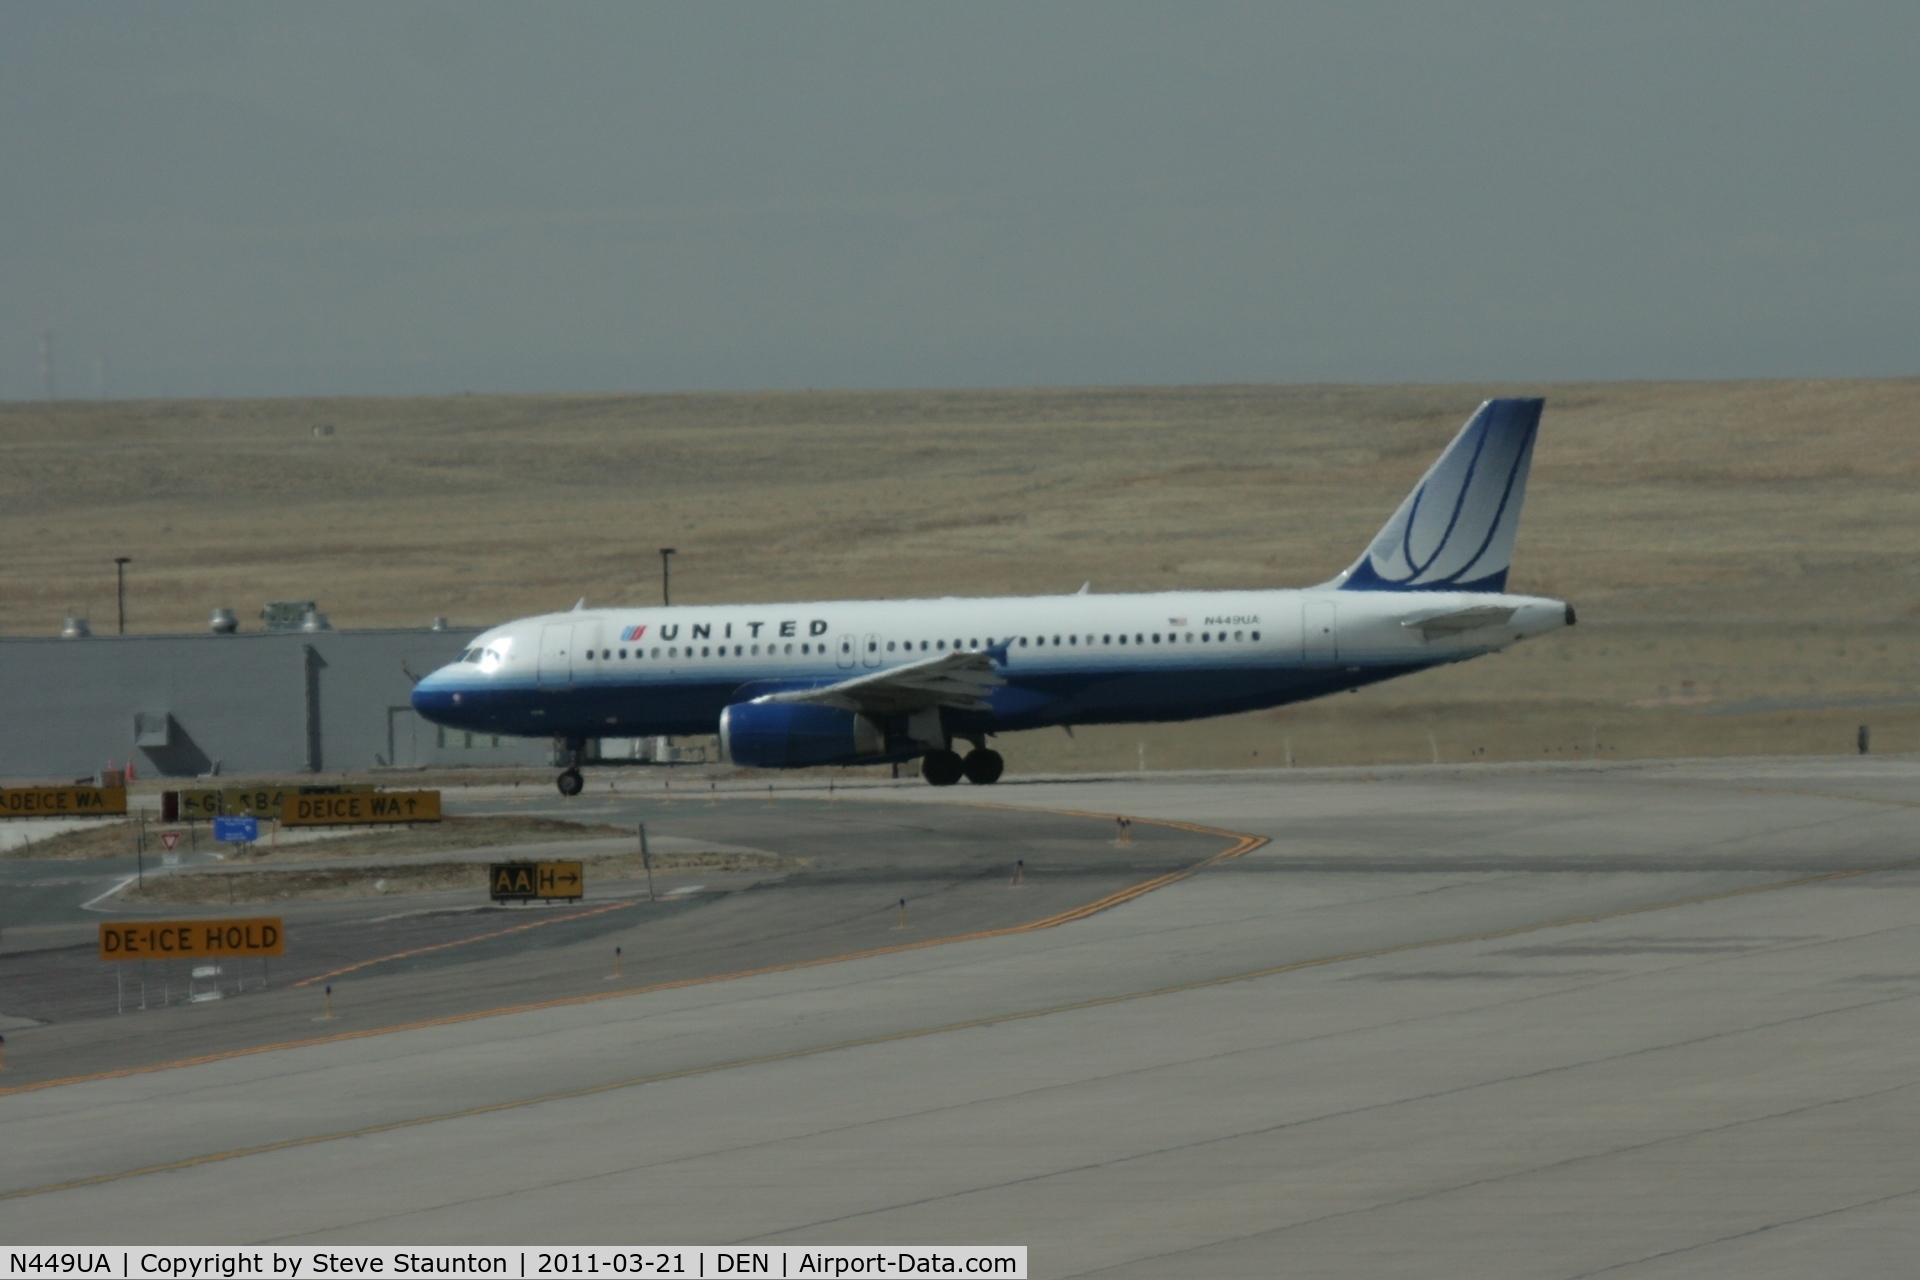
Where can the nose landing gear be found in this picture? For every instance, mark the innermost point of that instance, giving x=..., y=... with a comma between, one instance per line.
x=570, y=782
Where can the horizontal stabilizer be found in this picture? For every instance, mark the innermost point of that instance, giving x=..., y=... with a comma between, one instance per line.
x=1460, y=620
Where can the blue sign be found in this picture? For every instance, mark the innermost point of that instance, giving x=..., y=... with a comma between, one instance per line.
x=236, y=830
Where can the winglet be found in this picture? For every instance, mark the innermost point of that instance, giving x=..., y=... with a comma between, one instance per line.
x=580, y=604
x=998, y=652
x=1085, y=587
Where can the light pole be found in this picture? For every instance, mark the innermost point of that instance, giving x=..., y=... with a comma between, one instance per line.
x=120, y=564
x=666, y=596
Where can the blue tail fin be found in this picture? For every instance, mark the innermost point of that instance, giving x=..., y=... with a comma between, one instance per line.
x=1455, y=530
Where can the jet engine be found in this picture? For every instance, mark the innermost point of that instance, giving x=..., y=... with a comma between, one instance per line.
x=793, y=735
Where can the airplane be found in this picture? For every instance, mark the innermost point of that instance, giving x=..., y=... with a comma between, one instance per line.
x=846, y=682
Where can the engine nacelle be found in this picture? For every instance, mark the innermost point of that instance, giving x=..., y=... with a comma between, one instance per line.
x=794, y=735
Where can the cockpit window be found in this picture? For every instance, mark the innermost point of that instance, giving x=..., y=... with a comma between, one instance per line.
x=471, y=655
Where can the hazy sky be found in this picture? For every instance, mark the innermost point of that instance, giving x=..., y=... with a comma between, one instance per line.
x=251, y=199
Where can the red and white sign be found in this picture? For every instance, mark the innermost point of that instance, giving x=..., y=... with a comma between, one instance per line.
x=170, y=839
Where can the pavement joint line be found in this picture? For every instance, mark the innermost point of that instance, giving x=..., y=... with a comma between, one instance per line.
x=1243, y=844
x=1830, y=795
x=916, y=1033
x=1680, y=785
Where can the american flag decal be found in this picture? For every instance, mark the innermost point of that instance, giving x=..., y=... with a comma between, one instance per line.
x=1176, y=622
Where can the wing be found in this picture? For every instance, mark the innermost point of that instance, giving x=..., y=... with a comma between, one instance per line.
x=957, y=680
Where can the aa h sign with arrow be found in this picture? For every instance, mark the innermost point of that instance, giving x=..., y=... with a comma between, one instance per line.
x=527, y=881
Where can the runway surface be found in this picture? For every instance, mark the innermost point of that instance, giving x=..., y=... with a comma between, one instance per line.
x=1640, y=1021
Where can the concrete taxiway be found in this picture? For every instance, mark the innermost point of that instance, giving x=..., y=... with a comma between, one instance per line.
x=1651, y=1021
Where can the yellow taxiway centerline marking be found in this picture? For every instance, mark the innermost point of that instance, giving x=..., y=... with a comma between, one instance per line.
x=460, y=942
x=215, y=1157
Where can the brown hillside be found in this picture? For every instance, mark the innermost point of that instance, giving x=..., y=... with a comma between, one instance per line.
x=1743, y=555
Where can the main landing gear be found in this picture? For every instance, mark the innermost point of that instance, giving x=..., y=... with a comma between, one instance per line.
x=570, y=782
x=981, y=767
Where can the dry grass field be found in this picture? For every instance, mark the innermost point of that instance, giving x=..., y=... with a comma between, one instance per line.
x=1745, y=556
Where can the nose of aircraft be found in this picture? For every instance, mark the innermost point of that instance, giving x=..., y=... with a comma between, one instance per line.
x=436, y=699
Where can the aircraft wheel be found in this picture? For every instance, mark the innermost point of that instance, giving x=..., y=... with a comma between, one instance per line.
x=570, y=782
x=941, y=768
x=983, y=767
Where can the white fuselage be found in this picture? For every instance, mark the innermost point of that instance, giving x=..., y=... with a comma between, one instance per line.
x=1073, y=659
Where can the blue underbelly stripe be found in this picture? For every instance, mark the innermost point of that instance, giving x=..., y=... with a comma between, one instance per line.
x=656, y=705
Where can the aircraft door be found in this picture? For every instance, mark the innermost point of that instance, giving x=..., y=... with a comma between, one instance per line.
x=870, y=656
x=556, y=656
x=1320, y=633
x=846, y=651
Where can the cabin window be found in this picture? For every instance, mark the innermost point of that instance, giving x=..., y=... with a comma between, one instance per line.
x=1156, y=637
x=623, y=653
x=1206, y=637
x=1073, y=639
x=939, y=644
x=1106, y=639
x=1256, y=635
x=705, y=651
x=789, y=648
x=656, y=652
x=1239, y=635
x=889, y=646
x=974, y=644
x=1023, y=642
x=1123, y=639
x=673, y=652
